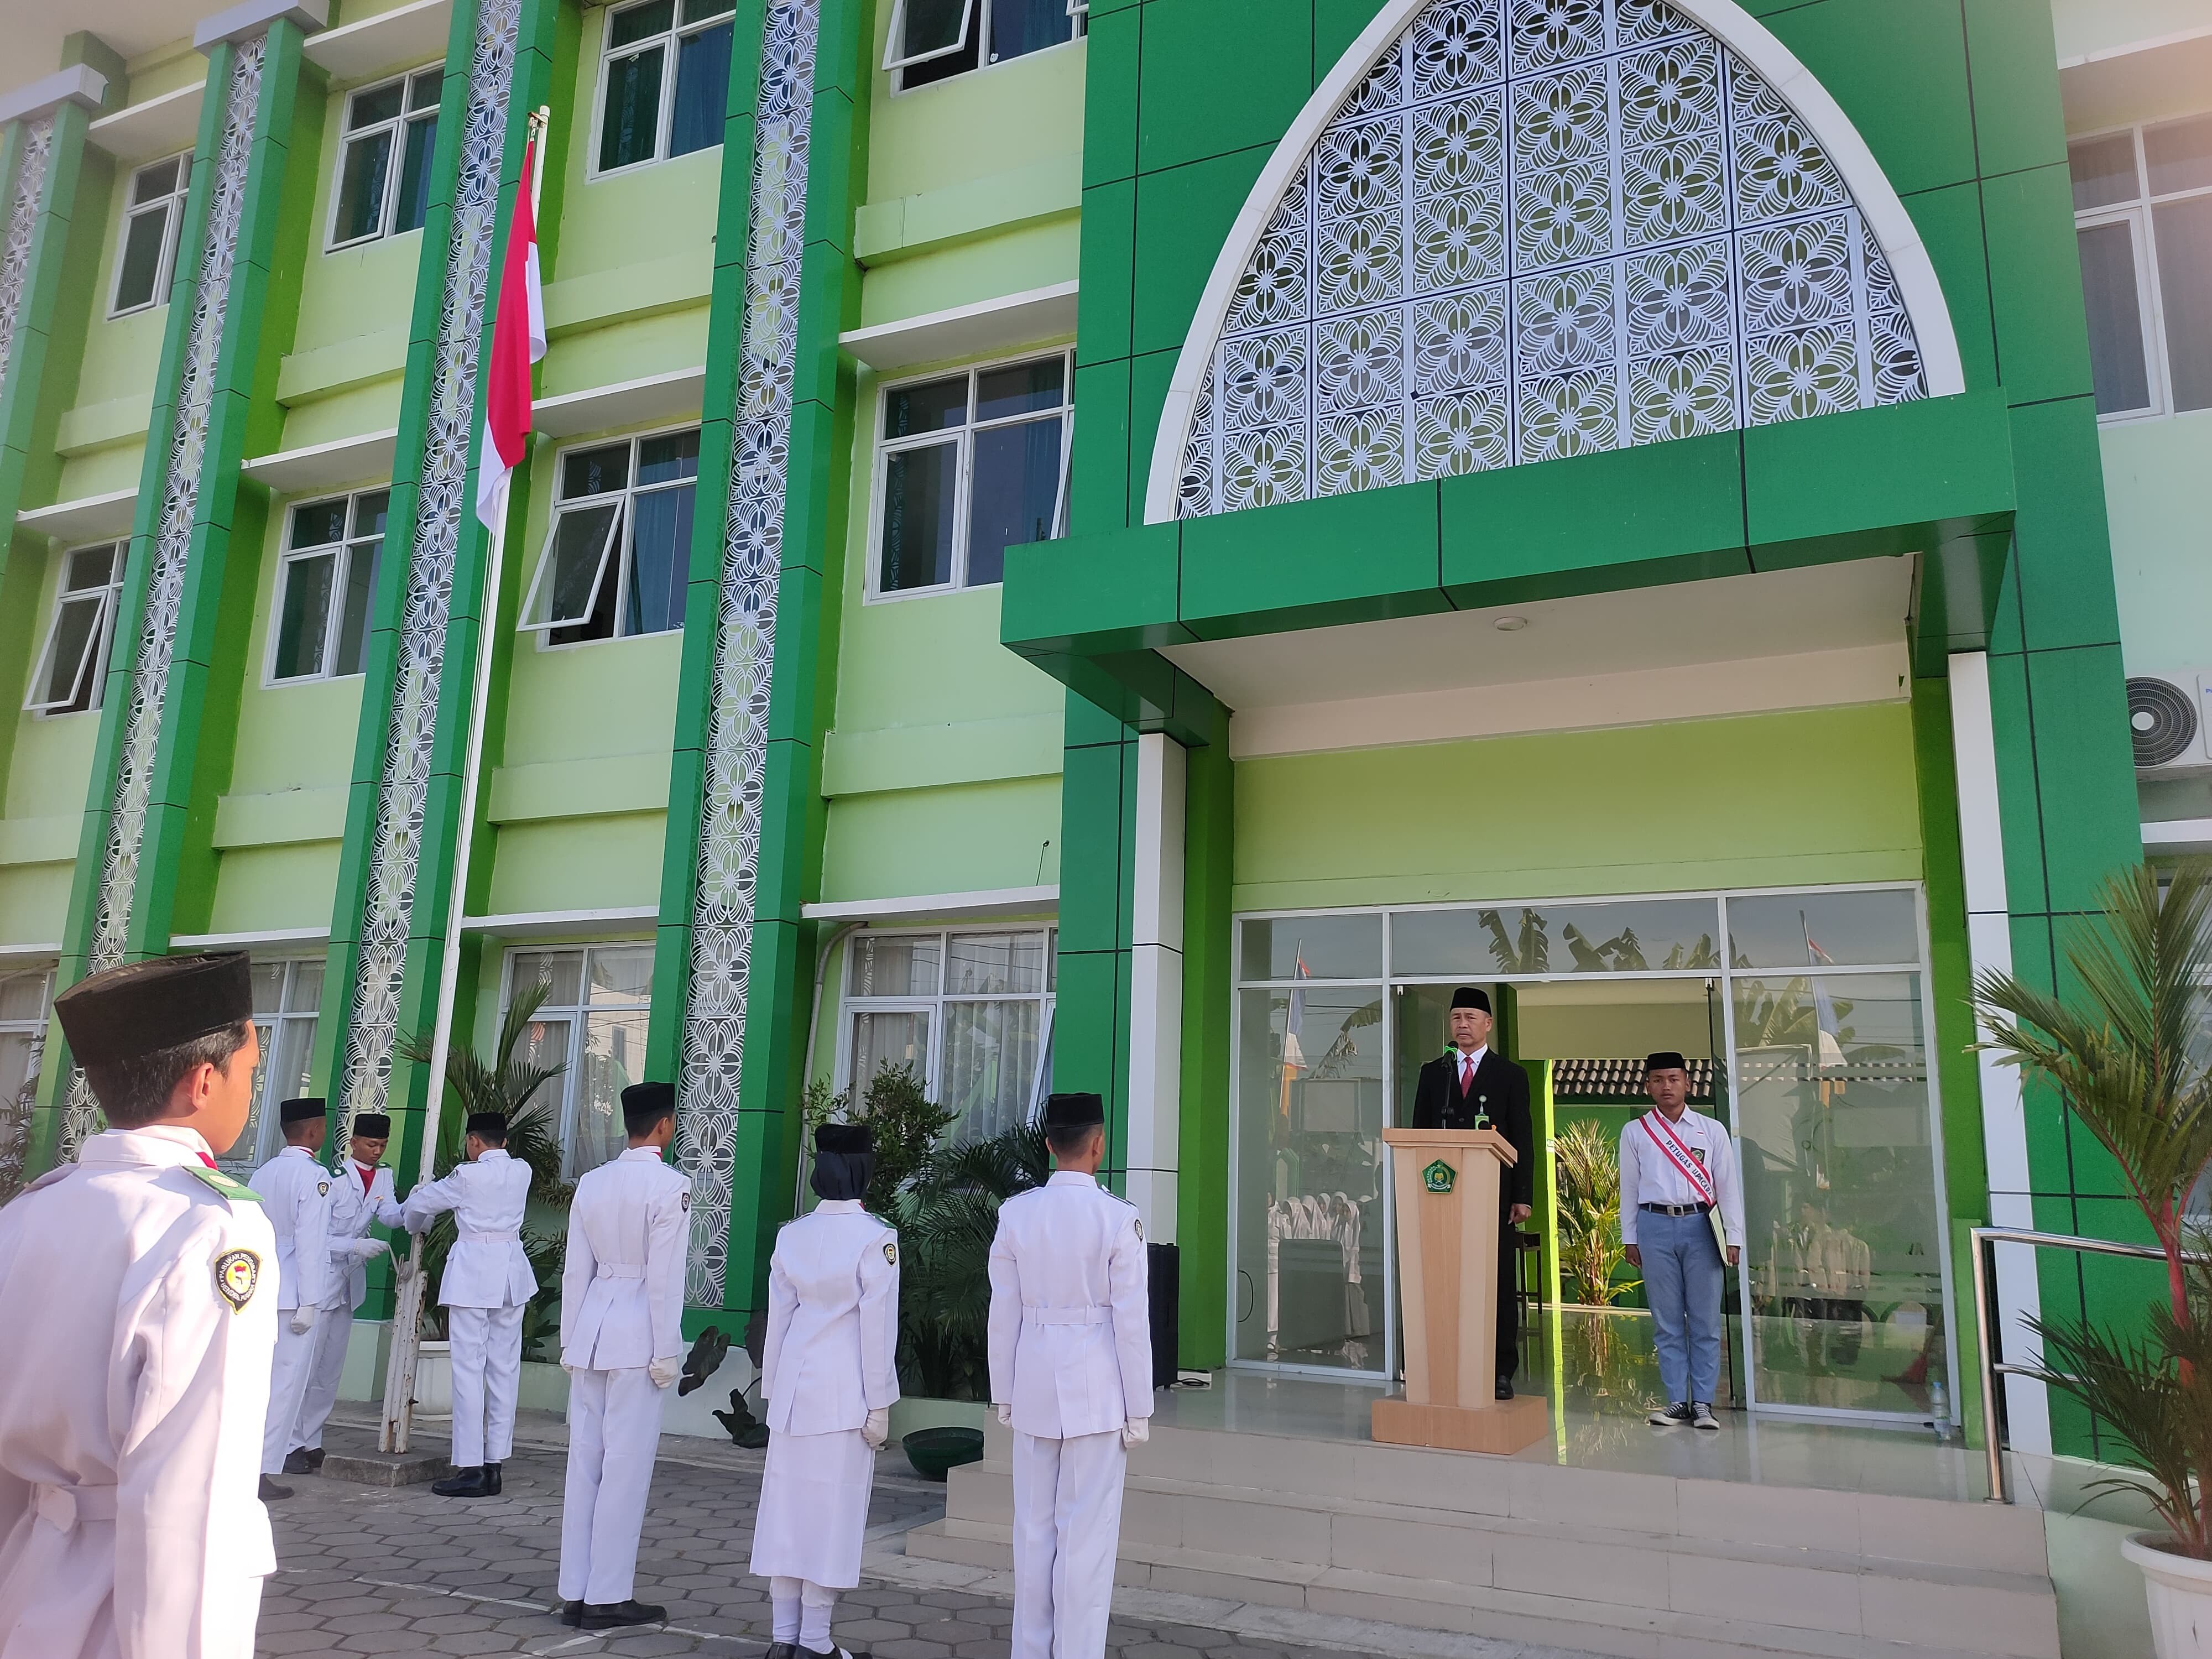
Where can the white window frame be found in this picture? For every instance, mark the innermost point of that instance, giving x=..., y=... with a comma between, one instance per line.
x=173, y=204
x=268, y=1137
x=574, y=1014
x=975, y=19
x=964, y=485
x=616, y=558
x=670, y=40
x=396, y=126
x=933, y=1004
x=34, y=1029
x=103, y=640
x=2138, y=212
x=894, y=62
x=348, y=548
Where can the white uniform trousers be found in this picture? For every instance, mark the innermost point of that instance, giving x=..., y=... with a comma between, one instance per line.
x=1068, y=1523
x=57, y=1600
x=288, y=1388
x=614, y=1433
x=487, y=1357
x=333, y=1330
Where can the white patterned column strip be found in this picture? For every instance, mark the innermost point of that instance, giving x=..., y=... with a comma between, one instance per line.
x=744, y=642
x=37, y=155
x=442, y=515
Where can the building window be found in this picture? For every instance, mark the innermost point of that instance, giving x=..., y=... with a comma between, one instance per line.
x=327, y=587
x=970, y=1012
x=592, y=1025
x=615, y=561
x=967, y=466
x=153, y=215
x=23, y=993
x=650, y=107
x=384, y=168
x=73, y=663
x=2142, y=215
x=286, y=998
x=935, y=39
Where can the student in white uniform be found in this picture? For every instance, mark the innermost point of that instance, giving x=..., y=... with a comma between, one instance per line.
x=622, y=1344
x=137, y=1289
x=828, y=1376
x=361, y=1193
x=1071, y=1348
x=1679, y=1194
x=295, y=1193
x=488, y=1283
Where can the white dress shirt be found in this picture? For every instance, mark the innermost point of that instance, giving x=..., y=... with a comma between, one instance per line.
x=1648, y=1175
x=296, y=1192
x=1464, y=1065
x=1070, y=1337
x=830, y=1354
x=358, y=1196
x=488, y=1196
x=621, y=1284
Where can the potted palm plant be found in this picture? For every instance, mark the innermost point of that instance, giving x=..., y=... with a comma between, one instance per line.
x=2126, y=1056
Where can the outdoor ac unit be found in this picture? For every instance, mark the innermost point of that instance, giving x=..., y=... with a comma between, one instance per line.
x=2167, y=720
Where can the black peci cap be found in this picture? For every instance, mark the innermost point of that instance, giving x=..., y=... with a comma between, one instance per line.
x=1073, y=1111
x=372, y=1126
x=489, y=1124
x=299, y=1110
x=850, y=1137
x=144, y=1007
x=1469, y=996
x=1666, y=1060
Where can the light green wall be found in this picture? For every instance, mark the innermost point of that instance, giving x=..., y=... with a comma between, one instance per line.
x=165, y=69
x=1767, y=800
x=42, y=807
x=962, y=839
x=972, y=125
x=275, y=889
x=578, y=864
x=2157, y=496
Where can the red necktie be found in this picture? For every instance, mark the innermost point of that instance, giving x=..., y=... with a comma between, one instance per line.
x=1466, y=1073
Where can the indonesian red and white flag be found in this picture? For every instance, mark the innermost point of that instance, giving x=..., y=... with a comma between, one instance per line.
x=518, y=340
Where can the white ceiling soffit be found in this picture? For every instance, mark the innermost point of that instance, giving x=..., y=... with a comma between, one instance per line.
x=940, y=907
x=364, y=459
x=34, y=31
x=1790, y=638
x=2172, y=838
x=396, y=39
x=2141, y=81
x=146, y=132
x=970, y=330
x=628, y=921
x=89, y=518
x=657, y=398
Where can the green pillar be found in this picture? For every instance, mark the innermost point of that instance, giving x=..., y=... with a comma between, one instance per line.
x=734, y=960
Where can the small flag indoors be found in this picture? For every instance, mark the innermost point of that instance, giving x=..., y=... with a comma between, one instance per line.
x=518, y=340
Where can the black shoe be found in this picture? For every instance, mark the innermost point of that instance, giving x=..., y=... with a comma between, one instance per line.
x=270, y=1491
x=299, y=1461
x=611, y=1615
x=491, y=1480
x=1505, y=1387
x=464, y=1483
x=833, y=1651
x=781, y=1650
x=1670, y=1417
x=572, y=1613
x=314, y=1459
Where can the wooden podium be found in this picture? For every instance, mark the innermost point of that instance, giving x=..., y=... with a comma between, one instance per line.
x=1446, y=1187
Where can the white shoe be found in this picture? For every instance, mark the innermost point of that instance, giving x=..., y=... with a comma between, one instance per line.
x=1670, y=1417
x=1701, y=1416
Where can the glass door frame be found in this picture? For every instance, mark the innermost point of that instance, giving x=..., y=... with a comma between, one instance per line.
x=1390, y=981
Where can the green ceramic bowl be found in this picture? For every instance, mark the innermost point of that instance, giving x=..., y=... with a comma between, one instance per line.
x=934, y=1452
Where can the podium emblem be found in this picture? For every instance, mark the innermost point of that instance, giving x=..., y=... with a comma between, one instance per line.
x=1439, y=1176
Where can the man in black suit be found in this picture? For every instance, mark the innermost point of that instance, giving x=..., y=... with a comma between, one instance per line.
x=1466, y=1089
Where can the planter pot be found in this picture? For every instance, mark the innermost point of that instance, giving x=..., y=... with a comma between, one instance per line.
x=922, y=1412
x=2179, y=1590
x=434, y=1380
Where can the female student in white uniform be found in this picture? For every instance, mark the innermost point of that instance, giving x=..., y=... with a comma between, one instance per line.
x=828, y=1377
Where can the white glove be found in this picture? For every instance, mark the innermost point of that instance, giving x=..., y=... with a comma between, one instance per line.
x=1136, y=1432
x=664, y=1372
x=403, y=1267
x=303, y=1320
x=367, y=1249
x=1006, y=1416
x=571, y=1369
x=877, y=1428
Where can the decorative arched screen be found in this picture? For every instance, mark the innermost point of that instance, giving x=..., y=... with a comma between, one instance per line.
x=1540, y=228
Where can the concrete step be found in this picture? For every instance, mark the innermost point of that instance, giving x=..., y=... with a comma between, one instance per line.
x=1635, y=1565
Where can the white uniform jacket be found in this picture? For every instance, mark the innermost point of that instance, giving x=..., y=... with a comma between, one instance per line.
x=295, y=1193
x=487, y=1268
x=830, y=1354
x=622, y=1285
x=140, y=1305
x=351, y=1211
x=1071, y=1336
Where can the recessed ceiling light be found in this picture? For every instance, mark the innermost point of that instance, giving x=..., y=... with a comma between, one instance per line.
x=1509, y=624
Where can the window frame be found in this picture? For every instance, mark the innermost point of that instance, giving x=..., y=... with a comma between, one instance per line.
x=103, y=644
x=288, y=556
x=669, y=39
x=574, y=1015
x=397, y=125
x=2138, y=211
x=264, y=1136
x=625, y=532
x=893, y=63
x=978, y=22
x=934, y=1004
x=963, y=485
x=173, y=204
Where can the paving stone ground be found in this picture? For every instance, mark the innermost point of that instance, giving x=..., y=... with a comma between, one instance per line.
x=400, y=1572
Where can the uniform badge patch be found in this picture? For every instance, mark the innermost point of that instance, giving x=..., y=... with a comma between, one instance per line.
x=236, y=1274
x=323, y=1191
x=890, y=1254
x=1138, y=1223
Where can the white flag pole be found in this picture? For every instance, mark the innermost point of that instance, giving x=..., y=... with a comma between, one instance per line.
x=407, y=1335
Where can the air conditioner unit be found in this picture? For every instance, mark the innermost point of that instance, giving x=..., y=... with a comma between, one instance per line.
x=2167, y=720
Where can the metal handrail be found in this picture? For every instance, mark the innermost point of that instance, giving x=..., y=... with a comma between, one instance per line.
x=1995, y=1435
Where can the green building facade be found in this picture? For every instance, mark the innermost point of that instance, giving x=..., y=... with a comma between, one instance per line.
x=1653, y=510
